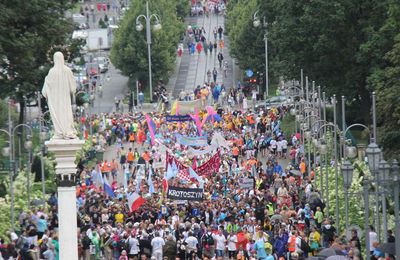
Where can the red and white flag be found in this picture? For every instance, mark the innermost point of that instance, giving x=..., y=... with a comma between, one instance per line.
x=135, y=201
x=183, y=175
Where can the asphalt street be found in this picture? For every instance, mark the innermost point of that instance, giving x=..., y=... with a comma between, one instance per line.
x=192, y=69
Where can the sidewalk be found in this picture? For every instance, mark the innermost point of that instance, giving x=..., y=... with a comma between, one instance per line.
x=192, y=69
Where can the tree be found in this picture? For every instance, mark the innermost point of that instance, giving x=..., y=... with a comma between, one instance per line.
x=386, y=82
x=129, y=50
x=28, y=30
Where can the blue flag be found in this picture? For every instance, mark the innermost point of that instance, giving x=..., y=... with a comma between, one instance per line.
x=150, y=182
x=107, y=189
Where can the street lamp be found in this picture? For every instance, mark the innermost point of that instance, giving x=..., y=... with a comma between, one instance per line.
x=347, y=174
x=156, y=27
x=10, y=152
x=256, y=23
x=395, y=172
x=374, y=154
x=384, y=170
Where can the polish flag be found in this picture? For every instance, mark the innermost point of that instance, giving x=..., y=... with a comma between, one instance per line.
x=135, y=201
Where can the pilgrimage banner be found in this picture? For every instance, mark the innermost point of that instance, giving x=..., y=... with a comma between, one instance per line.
x=246, y=183
x=210, y=166
x=191, y=141
x=177, y=193
x=186, y=107
x=169, y=159
x=207, y=168
x=177, y=118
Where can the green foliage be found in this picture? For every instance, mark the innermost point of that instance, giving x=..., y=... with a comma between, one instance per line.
x=129, y=50
x=350, y=48
x=287, y=126
x=28, y=30
x=182, y=8
x=102, y=24
x=355, y=199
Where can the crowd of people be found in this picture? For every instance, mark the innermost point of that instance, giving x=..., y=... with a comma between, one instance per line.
x=279, y=216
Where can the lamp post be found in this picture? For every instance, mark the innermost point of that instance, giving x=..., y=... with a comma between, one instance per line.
x=366, y=216
x=384, y=170
x=374, y=153
x=347, y=175
x=41, y=138
x=256, y=23
x=156, y=27
x=395, y=171
x=10, y=152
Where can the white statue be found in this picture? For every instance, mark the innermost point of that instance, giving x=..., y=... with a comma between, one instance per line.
x=58, y=86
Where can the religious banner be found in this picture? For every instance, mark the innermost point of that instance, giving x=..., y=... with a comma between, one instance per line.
x=177, y=193
x=246, y=183
x=169, y=159
x=191, y=141
x=210, y=166
x=177, y=118
x=186, y=107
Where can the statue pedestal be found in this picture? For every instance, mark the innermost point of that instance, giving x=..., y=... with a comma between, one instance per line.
x=65, y=152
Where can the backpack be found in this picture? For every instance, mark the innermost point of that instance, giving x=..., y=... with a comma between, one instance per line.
x=20, y=242
x=304, y=246
x=123, y=244
x=208, y=240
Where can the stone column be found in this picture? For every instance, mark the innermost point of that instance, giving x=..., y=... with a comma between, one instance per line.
x=65, y=152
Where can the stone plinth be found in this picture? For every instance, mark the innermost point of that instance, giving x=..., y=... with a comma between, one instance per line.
x=65, y=152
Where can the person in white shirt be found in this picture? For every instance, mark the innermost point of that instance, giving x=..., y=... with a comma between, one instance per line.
x=220, y=241
x=284, y=148
x=279, y=148
x=191, y=244
x=294, y=140
x=297, y=244
x=157, y=244
x=232, y=240
x=134, y=247
x=272, y=146
x=372, y=237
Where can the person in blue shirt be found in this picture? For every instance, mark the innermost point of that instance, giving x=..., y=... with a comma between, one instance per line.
x=278, y=168
x=376, y=254
x=259, y=247
x=41, y=226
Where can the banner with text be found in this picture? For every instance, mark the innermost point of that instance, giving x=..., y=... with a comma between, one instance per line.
x=210, y=166
x=246, y=183
x=177, y=118
x=169, y=159
x=191, y=141
x=177, y=193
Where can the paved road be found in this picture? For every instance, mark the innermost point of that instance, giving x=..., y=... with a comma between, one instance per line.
x=117, y=86
x=193, y=69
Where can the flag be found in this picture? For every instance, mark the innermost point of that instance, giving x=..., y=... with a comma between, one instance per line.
x=193, y=174
x=196, y=118
x=150, y=182
x=165, y=185
x=125, y=181
x=177, y=112
x=138, y=185
x=108, y=189
x=135, y=201
x=171, y=173
x=85, y=132
x=194, y=163
x=183, y=176
x=99, y=179
x=152, y=129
